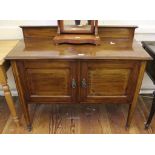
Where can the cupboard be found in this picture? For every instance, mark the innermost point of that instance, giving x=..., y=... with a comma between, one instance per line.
x=110, y=73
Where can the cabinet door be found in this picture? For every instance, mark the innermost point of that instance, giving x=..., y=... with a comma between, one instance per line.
x=49, y=81
x=108, y=81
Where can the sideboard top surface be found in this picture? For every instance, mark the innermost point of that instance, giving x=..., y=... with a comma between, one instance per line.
x=116, y=43
x=45, y=49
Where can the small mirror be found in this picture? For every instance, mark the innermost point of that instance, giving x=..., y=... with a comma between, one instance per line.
x=77, y=26
x=77, y=32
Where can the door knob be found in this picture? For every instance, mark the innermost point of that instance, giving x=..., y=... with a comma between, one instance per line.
x=83, y=83
x=73, y=83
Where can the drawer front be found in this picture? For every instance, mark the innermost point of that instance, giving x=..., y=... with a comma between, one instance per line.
x=47, y=81
x=108, y=81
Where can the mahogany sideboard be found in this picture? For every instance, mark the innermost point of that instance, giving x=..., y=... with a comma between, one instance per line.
x=87, y=74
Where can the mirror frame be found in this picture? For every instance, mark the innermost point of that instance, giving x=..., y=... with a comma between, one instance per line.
x=77, y=31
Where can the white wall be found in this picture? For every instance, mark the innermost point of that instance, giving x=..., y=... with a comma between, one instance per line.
x=146, y=31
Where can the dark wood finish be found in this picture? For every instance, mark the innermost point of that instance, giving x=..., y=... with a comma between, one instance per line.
x=20, y=87
x=77, y=39
x=109, y=50
x=136, y=93
x=48, y=81
x=118, y=34
x=33, y=31
x=39, y=32
x=109, y=31
x=109, y=73
x=77, y=35
x=108, y=81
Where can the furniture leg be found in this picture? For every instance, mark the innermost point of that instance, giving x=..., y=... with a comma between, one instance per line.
x=24, y=105
x=10, y=103
x=130, y=115
x=134, y=101
x=27, y=117
x=151, y=112
x=7, y=93
x=26, y=114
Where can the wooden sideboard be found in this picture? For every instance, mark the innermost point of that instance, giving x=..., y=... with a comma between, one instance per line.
x=86, y=74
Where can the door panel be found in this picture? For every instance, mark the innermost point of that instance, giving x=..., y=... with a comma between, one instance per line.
x=50, y=82
x=108, y=81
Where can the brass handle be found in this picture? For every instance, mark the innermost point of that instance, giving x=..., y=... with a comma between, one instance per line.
x=83, y=83
x=73, y=83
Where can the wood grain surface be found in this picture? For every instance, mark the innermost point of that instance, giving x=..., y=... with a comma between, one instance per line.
x=110, y=48
x=78, y=119
x=109, y=73
x=116, y=43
